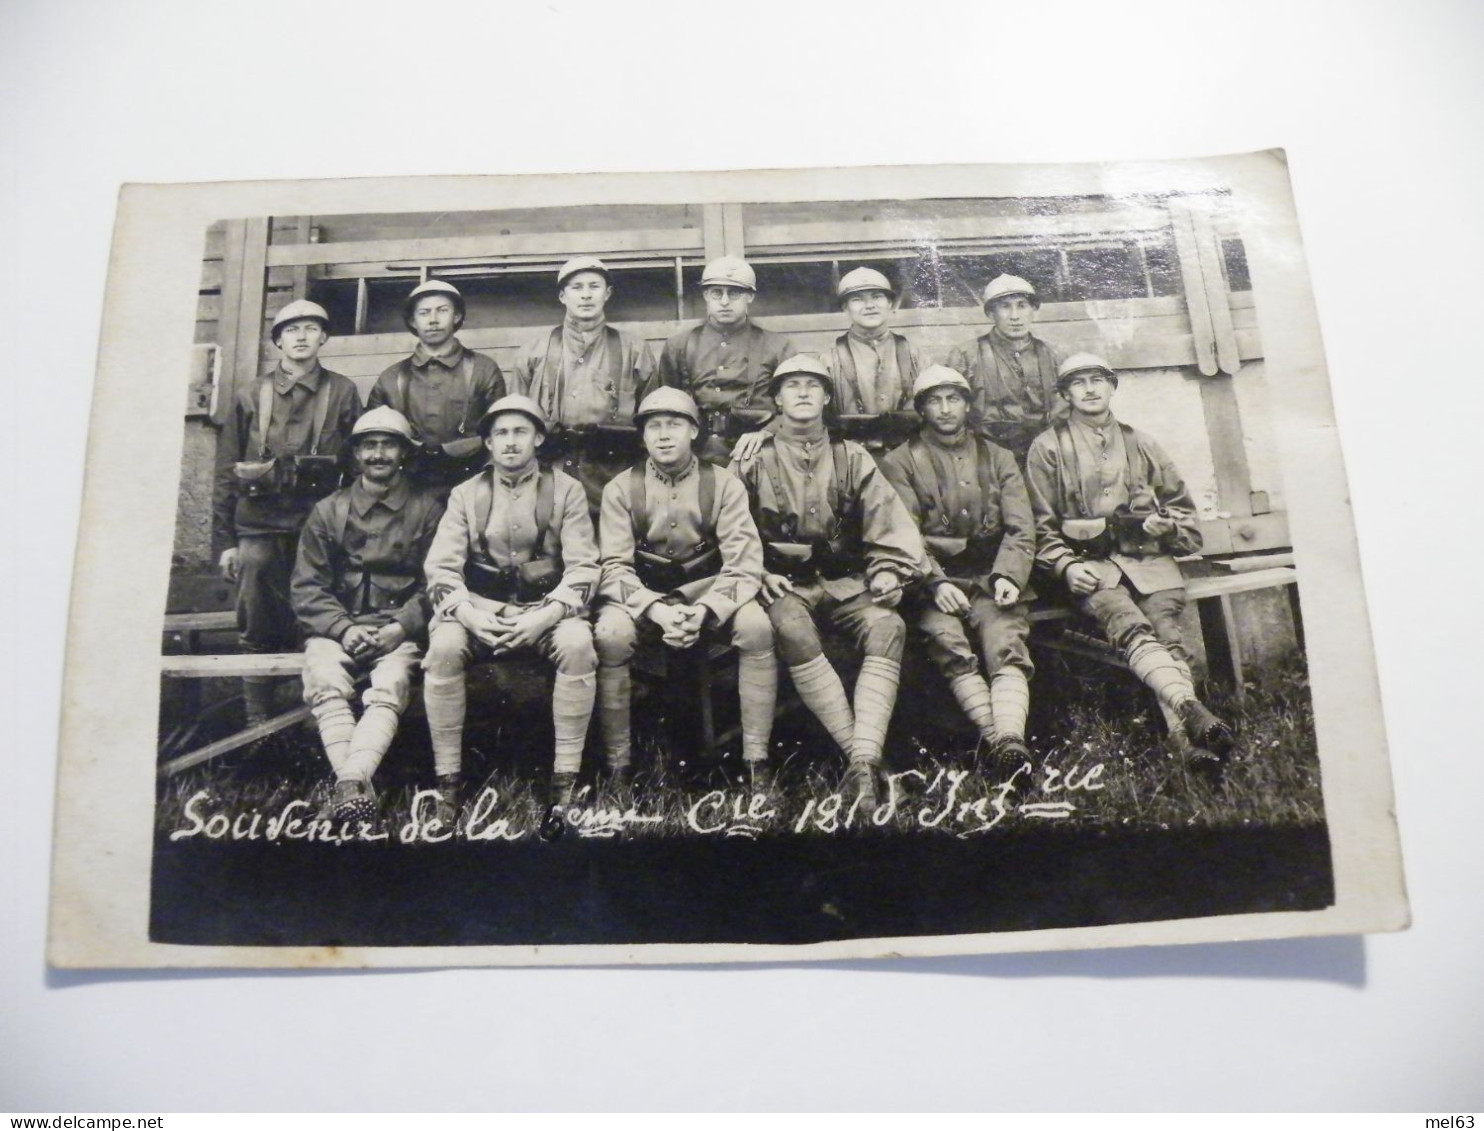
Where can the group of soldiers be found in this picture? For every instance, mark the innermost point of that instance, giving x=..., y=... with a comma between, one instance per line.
x=492, y=515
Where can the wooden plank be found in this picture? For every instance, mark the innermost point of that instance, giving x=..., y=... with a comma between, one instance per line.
x=733, y=236
x=230, y=326
x=545, y=246
x=250, y=309
x=303, y=226
x=220, y=620
x=1218, y=301
x=213, y=276
x=363, y=304
x=234, y=665
x=1228, y=446
x=838, y=234
x=1187, y=252
x=713, y=233
x=234, y=742
x=1256, y=562
x=1224, y=585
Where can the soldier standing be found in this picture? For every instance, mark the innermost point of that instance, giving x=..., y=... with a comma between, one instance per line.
x=1013, y=372
x=442, y=389
x=589, y=376
x=874, y=367
x=281, y=450
x=512, y=569
x=727, y=362
x=838, y=547
x=681, y=562
x=970, y=501
x=358, y=593
x=1111, y=511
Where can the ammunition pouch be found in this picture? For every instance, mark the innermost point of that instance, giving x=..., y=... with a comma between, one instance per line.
x=964, y=557
x=257, y=479
x=804, y=560
x=463, y=448
x=446, y=464
x=603, y=442
x=882, y=431
x=1120, y=533
x=302, y=476
x=366, y=593
x=665, y=575
x=522, y=585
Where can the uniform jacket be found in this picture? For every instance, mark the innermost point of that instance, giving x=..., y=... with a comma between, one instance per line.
x=361, y=560
x=675, y=528
x=724, y=370
x=288, y=435
x=1011, y=409
x=600, y=382
x=865, y=387
x=445, y=397
x=810, y=501
x=512, y=535
x=1136, y=473
x=966, y=489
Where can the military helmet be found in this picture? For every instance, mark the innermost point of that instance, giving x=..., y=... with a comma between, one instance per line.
x=863, y=279
x=801, y=364
x=297, y=311
x=729, y=271
x=666, y=399
x=1005, y=286
x=513, y=403
x=1079, y=363
x=432, y=287
x=384, y=419
x=579, y=264
x=938, y=377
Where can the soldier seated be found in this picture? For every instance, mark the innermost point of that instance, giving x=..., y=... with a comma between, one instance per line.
x=969, y=500
x=838, y=545
x=1111, y=511
x=358, y=593
x=511, y=571
x=681, y=561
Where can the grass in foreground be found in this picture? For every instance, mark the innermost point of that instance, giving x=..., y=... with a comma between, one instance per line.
x=1098, y=761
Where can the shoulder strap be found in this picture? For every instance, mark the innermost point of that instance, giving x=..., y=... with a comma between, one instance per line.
x=707, y=491
x=986, y=478
x=905, y=369
x=927, y=479
x=551, y=375
x=1138, y=468
x=545, y=504
x=1071, y=472
x=404, y=379
x=639, y=502
x=321, y=412
x=989, y=366
x=340, y=515
x=265, y=414
x=616, y=374
x=1046, y=363
x=692, y=352
x=483, y=504
x=844, y=490
x=767, y=459
x=849, y=379
x=466, y=371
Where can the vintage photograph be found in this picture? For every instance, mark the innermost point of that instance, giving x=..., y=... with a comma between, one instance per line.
x=776, y=568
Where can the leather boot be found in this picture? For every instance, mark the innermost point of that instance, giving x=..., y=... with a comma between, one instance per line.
x=1204, y=729
x=558, y=797
x=447, y=810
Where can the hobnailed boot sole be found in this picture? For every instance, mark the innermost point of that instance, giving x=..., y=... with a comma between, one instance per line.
x=1205, y=730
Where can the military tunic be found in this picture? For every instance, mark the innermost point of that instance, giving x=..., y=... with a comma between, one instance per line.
x=872, y=376
x=961, y=489
x=1115, y=465
x=265, y=530
x=443, y=398
x=1015, y=395
x=724, y=369
x=795, y=499
x=589, y=377
x=361, y=562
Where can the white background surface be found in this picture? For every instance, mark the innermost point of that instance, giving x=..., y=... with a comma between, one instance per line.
x=1379, y=107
